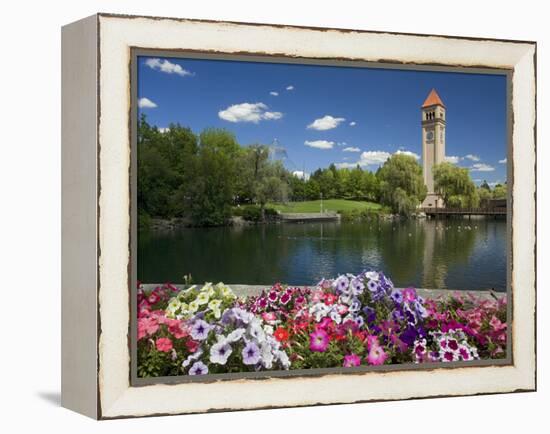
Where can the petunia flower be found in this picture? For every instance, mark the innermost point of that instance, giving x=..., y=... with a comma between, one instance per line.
x=351, y=360
x=281, y=334
x=251, y=354
x=220, y=352
x=164, y=345
x=341, y=284
x=409, y=295
x=200, y=330
x=357, y=286
x=285, y=298
x=318, y=341
x=377, y=355
x=198, y=368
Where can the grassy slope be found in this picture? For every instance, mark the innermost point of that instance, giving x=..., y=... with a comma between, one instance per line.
x=328, y=205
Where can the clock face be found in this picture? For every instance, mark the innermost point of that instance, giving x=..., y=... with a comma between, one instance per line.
x=430, y=135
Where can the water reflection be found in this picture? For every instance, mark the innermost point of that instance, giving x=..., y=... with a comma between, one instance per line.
x=456, y=254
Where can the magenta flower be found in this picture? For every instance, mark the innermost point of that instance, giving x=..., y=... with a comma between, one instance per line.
x=351, y=360
x=285, y=298
x=409, y=294
x=377, y=355
x=318, y=341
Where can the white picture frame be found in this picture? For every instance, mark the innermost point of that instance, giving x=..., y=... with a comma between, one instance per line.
x=96, y=254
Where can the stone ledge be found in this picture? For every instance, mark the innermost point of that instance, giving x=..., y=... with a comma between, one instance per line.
x=251, y=290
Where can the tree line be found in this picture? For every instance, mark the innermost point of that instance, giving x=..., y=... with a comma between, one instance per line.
x=206, y=177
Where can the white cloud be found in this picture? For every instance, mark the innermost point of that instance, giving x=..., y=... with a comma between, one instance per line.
x=503, y=161
x=327, y=122
x=481, y=167
x=146, y=103
x=301, y=174
x=492, y=184
x=272, y=93
x=472, y=157
x=374, y=158
x=248, y=112
x=352, y=123
x=351, y=149
x=409, y=153
x=163, y=129
x=168, y=67
x=319, y=144
x=367, y=158
x=290, y=87
x=454, y=159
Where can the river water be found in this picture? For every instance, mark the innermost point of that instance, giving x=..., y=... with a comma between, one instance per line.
x=453, y=254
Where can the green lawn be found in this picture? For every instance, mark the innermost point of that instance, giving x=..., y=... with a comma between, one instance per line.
x=328, y=205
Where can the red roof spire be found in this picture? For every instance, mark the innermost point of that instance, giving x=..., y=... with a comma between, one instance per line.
x=433, y=99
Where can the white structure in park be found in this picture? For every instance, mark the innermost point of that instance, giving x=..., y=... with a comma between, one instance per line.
x=433, y=144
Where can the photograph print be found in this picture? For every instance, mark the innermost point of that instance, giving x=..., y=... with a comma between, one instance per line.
x=296, y=218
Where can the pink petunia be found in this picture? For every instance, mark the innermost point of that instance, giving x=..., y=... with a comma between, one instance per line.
x=317, y=296
x=147, y=326
x=409, y=294
x=164, y=345
x=177, y=328
x=330, y=299
x=192, y=345
x=496, y=324
x=351, y=360
x=318, y=341
x=377, y=355
x=269, y=316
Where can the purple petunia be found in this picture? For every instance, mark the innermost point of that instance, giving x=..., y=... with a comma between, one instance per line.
x=357, y=286
x=251, y=354
x=200, y=330
x=220, y=352
x=372, y=286
x=198, y=368
x=341, y=284
x=397, y=296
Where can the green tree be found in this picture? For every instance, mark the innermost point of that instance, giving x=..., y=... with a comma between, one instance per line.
x=263, y=180
x=455, y=186
x=313, y=192
x=484, y=195
x=210, y=195
x=401, y=184
x=500, y=191
x=163, y=166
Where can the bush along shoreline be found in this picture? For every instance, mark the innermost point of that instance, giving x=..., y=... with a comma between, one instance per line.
x=352, y=320
x=252, y=215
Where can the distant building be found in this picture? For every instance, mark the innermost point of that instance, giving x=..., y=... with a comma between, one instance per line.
x=433, y=145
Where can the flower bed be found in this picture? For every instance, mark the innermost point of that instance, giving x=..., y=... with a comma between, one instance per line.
x=349, y=321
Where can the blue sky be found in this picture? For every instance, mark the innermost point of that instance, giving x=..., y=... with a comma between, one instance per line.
x=327, y=114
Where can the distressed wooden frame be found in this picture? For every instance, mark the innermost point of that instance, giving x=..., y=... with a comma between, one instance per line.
x=96, y=185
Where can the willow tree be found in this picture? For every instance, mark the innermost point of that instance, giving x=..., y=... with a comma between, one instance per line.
x=401, y=184
x=455, y=186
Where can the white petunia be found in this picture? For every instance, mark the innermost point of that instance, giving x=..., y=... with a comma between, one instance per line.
x=236, y=335
x=372, y=275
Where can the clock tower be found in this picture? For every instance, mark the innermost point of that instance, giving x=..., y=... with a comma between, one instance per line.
x=433, y=145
